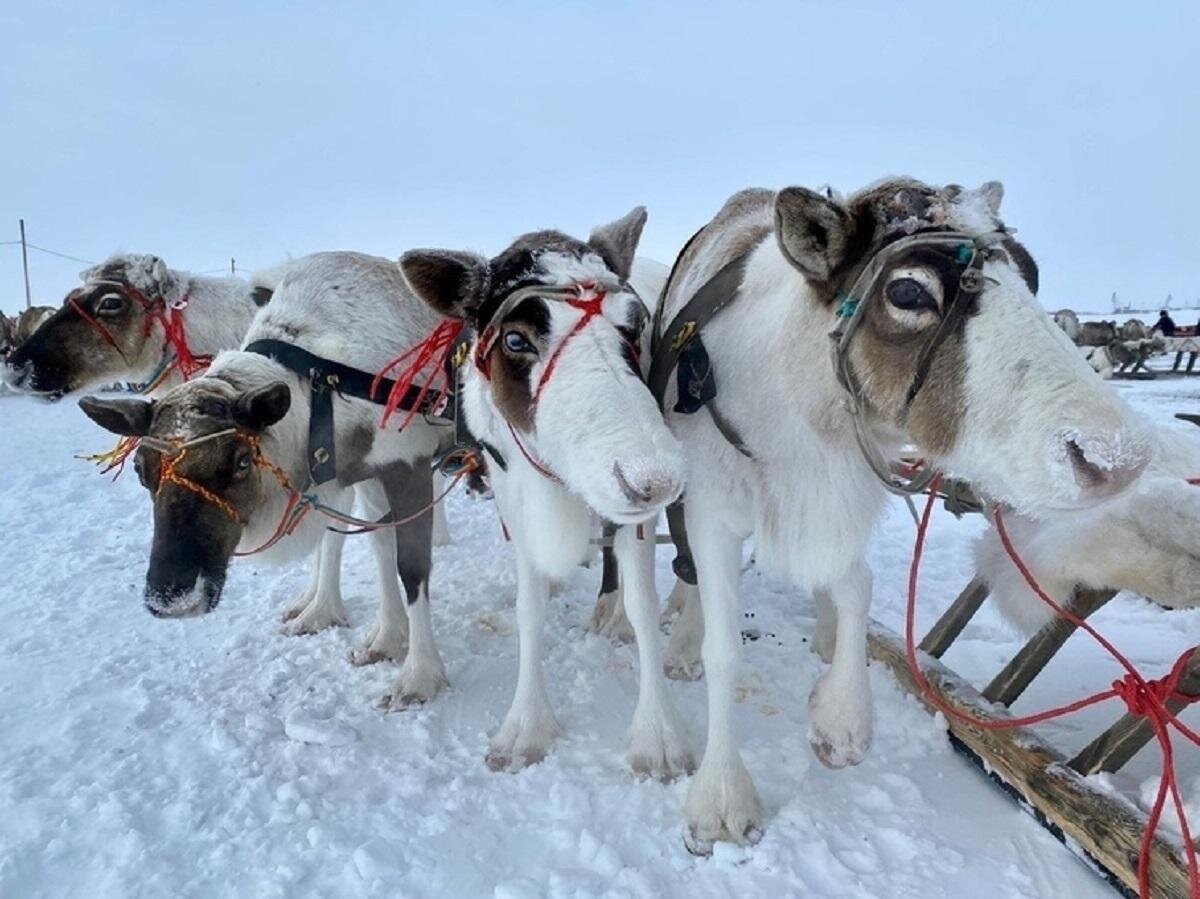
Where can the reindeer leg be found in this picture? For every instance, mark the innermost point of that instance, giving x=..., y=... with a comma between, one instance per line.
x=722, y=803
x=825, y=637
x=388, y=639
x=683, y=660
x=324, y=608
x=530, y=727
x=441, y=528
x=839, y=709
x=409, y=489
x=658, y=739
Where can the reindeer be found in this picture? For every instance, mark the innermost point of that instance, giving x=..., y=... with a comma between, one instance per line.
x=1069, y=322
x=1133, y=329
x=226, y=456
x=1096, y=334
x=133, y=319
x=556, y=393
x=1145, y=540
x=938, y=343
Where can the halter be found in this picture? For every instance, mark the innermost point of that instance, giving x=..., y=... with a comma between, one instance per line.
x=588, y=297
x=299, y=504
x=168, y=315
x=972, y=252
x=174, y=450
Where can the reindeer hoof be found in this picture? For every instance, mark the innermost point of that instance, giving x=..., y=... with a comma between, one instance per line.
x=313, y=620
x=683, y=669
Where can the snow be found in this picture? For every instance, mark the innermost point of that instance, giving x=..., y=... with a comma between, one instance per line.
x=215, y=756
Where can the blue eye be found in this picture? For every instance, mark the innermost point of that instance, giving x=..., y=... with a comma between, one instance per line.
x=516, y=342
x=907, y=293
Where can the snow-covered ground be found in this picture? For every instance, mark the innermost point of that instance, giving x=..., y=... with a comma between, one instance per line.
x=141, y=757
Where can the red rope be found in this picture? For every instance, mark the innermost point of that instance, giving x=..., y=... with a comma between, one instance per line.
x=95, y=323
x=186, y=362
x=429, y=354
x=591, y=302
x=539, y=467
x=1146, y=698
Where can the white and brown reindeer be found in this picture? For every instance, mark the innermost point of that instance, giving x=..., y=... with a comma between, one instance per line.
x=556, y=393
x=226, y=456
x=133, y=319
x=941, y=346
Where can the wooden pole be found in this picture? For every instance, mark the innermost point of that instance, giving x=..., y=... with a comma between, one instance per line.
x=25, y=264
x=232, y=266
x=1108, y=830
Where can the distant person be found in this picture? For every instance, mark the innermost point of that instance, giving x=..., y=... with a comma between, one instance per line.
x=1165, y=324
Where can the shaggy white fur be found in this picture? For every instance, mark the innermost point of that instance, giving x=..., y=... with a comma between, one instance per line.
x=808, y=497
x=1146, y=540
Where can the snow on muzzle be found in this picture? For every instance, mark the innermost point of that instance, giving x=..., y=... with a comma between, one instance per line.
x=1041, y=431
x=598, y=428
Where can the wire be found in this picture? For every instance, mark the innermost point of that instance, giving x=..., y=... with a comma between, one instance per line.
x=34, y=246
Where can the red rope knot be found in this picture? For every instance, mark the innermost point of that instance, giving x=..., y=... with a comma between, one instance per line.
x=1148, y=698
x=427, y=359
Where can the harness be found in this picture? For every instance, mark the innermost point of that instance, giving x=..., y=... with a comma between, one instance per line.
x=170, y=316
x=327, y=378
x=678, y=346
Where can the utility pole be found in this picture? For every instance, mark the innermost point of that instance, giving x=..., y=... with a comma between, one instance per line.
x=25, y=264
x=233, y=266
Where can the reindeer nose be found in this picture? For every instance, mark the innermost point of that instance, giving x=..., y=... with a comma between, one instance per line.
x=648, y=486
x=1106, y=466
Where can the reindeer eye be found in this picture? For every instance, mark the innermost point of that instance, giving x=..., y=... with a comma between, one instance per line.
x=908, y=293
x=111, y=303
x=516, y=342
x=242, y=461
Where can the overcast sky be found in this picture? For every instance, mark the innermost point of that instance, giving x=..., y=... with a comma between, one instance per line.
x=201, y=131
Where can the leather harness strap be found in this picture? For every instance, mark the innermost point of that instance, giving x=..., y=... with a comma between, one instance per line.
x=666, y=348
x=684, y=330
x=327, y=378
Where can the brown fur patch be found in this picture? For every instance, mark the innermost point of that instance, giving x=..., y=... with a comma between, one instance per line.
x=511, y=389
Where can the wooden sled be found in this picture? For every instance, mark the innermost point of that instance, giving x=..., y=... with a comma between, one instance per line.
x=1108, y=830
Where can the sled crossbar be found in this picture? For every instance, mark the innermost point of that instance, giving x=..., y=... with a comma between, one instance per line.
x=1106, y=829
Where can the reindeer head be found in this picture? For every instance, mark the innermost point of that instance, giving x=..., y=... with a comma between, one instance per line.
x=558, y=339
x=951, y=347
x=103, y=331
x=200, y=459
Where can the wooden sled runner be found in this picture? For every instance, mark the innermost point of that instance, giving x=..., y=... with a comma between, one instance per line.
x=1107, y=830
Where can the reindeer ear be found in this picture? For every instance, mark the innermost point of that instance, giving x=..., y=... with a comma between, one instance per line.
x=813, y=231
x=617, y=241
x=260, y=408
x=127, y=417
x=453, y=284
x=992, y=193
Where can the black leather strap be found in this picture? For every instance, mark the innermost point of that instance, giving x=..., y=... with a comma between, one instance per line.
x=327, y=378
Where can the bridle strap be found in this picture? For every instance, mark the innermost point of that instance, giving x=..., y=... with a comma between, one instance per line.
x=587, y=297
x=853, y=308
